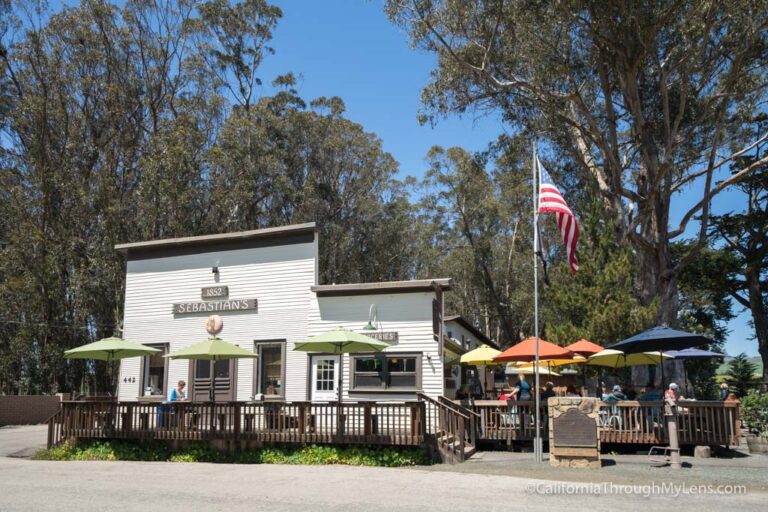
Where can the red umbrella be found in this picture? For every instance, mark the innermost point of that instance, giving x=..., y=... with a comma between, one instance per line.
x=526, y=351
x=585, y=348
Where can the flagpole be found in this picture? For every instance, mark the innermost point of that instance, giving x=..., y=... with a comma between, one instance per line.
x=537, y=448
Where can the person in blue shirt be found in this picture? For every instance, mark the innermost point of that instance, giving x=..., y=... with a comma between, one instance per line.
x=177, y=393
x=723, y=391
x=522, y=389
x=651, y=394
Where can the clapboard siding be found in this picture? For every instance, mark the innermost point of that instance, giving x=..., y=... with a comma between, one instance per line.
x=468, y=340
x=280, y=278
x=409, y=314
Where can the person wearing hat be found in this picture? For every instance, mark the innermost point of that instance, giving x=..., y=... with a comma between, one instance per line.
x=616, y=395
x=672, y=392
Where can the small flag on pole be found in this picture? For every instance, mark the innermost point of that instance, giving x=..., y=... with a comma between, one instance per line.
x=551, y=201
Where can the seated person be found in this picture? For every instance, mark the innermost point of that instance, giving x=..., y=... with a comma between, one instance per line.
x=507, y=394
x=548, y=392
x=631, y=394
x=651, y=394
x=616, y=395
x=570, y=391
x=462, y=393
x=673, y=393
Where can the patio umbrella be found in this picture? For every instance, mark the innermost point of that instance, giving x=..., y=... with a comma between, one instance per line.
x=618, y=359
x=529, y=370
x=692, y=353
x=212, y=349
x=551, y=363
x=660, y=339
x=584, y=348
x=481, y=356
x=109, y=350
x=526, y=351
x=340, y=341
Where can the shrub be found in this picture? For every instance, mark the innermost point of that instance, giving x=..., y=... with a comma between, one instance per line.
x=754, y=412
x=201, y=452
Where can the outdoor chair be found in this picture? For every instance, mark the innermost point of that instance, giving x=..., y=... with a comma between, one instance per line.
x=609, y=418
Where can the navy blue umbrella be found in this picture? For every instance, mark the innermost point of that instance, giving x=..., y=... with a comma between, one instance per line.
x=693, y=353
x=662, y=339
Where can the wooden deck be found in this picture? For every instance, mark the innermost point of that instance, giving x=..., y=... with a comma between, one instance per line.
x=453, y=428
x=629, y=422
x=267, y=422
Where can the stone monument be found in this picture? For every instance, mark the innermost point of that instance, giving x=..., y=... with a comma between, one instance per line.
x=573, y=436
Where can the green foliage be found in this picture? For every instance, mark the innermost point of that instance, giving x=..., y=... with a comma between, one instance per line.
x=201, y=452
x=741, y=374
x=754, y=412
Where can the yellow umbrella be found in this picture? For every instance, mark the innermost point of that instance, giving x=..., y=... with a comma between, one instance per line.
x=618, y=359
x=554, y=362
x=513, y=369
x=482, y=355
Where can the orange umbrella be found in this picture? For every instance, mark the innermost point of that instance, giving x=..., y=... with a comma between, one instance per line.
x=585, y=348
x=526, y=351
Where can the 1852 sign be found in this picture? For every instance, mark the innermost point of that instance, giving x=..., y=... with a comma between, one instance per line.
x=215, y=292
x=214, y=306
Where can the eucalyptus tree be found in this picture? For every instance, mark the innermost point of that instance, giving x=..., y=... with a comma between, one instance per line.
x=648, y=99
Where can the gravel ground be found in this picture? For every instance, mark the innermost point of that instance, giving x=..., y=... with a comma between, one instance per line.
x=492, y=481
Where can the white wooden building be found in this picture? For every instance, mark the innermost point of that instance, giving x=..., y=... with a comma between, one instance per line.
x=264, y=283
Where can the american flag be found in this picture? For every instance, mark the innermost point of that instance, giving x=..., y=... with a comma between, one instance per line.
x=551, y=201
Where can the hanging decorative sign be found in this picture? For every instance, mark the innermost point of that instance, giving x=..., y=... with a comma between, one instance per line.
x=214, y=325
x=214, y=306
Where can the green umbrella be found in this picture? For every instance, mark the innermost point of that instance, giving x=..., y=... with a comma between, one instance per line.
x=110, y=349
x=340, y=341
x=212, y=349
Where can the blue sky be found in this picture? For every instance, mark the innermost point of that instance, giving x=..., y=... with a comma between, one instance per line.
x=348, y=48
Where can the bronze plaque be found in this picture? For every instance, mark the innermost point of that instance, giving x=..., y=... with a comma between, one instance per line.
x=574, y=428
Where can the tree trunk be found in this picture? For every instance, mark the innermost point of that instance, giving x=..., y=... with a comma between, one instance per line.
x=759, y=315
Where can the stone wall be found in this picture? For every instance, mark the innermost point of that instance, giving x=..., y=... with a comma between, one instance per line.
x=27, y=409
x=569, y=449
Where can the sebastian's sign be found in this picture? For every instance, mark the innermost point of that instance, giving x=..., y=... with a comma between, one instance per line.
x=214, y=306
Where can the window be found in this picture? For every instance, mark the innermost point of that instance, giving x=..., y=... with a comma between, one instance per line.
x=269, y=374
x=154, y=373
x=386, y=372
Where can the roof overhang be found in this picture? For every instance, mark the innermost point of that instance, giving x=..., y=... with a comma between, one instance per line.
x=283, y=235
x=341, y=290
x=471, y=328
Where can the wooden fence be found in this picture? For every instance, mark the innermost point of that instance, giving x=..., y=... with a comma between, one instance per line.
x=270, y=422
x=628, y=422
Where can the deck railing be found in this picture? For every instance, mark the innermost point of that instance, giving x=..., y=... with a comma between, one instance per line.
x=273, y=422
x=452, y=429
x=629, y=422
x=699, y=422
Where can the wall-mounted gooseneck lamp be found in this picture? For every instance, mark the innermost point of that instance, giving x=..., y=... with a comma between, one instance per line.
x=372, y=312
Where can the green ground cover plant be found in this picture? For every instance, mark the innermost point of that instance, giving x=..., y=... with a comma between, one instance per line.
x=201, y=452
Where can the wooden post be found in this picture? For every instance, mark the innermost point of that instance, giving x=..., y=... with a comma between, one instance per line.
x=367, y=419
x=237, y=420
x=302, y=420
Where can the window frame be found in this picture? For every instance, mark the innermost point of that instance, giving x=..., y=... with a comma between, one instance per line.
x=258, y=345
x=386, y=388
x=166, y=348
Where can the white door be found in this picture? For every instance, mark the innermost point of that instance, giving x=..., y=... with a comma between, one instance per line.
x=325, y=378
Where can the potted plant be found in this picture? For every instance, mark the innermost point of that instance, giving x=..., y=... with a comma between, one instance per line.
x=754, y=413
